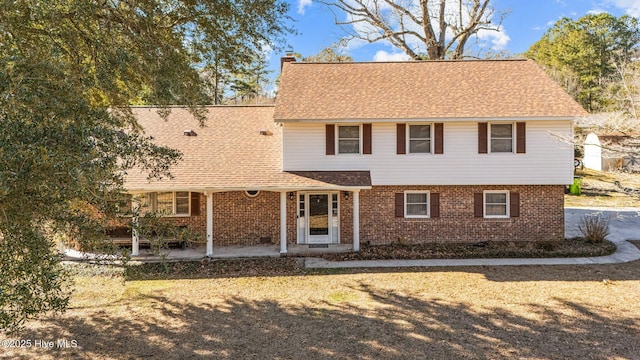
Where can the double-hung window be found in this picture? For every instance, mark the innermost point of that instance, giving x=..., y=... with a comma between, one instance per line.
x=168, y=203
x=501, y=138
x=419, y=138
x=496, y=204
x=349, y=139
x=416, y=204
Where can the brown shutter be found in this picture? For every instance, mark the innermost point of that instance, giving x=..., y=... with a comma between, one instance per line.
x=401, y=138
x=399, y=204
x=482, y=138
x=366, y=138
x=331, y=139
x=514, y=204
x=434, y=205
x=439, y=135
x=521, y=137
x=195, y=204
x=478, y=204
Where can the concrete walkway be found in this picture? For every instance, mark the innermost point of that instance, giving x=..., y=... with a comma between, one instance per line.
x=624, y=225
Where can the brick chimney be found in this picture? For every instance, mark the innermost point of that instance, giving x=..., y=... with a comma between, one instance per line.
x=288, y=57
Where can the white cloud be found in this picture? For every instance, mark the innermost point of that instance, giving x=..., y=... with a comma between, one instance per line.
x=266, y=50
x=496, y=39
x=631, y=7
x=499, y=39
x=382, y=55
x=595, y=11
x=303, y=5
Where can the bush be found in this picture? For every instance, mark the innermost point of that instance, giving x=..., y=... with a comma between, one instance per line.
x=594, y=228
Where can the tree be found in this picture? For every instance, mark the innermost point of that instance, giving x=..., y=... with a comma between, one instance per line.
x=333, y=53
x=423, y=29
x=581, y=55
x=69, y=69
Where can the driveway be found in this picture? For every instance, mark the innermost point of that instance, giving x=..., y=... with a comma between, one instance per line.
x=624, y=223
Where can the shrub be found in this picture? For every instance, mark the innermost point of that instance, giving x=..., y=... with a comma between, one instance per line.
x=594, y=228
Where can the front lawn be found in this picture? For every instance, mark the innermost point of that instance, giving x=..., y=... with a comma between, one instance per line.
x=227, y=310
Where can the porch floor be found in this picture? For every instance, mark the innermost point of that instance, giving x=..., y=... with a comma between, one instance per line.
x=220, y=252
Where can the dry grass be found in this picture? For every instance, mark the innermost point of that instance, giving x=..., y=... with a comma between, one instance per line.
x=598, y=190
x=552, y=312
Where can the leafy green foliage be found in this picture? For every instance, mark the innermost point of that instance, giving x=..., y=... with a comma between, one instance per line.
x=581, y=55
x=69, y=70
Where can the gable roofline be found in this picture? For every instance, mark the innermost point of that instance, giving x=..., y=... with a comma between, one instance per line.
x=442, y=89
x=402, y=62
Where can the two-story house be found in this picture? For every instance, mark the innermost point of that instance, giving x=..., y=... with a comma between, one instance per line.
x=374, y=152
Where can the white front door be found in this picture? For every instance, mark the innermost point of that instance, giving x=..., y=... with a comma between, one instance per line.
x=319, y=229
x=318, y=218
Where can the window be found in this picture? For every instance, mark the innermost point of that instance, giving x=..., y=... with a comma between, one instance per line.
x=501, y=138
x=349, y=139
x=419, y=138
x=252, y=193
x=496, y=204
x=169, y=202
x=416, y=204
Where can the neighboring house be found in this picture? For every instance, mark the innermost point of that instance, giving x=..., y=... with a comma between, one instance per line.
x=373, y=152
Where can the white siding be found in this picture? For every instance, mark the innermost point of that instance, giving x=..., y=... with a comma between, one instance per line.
x=546, y=162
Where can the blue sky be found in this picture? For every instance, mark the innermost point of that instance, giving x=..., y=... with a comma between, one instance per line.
x=525, y=23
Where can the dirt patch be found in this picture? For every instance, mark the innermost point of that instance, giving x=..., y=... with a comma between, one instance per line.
x=575, y=247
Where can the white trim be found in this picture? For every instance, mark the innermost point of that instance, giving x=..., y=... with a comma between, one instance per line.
x=430, y=119
x=428, y=204
x=484, y=204
x=209, y=196
x=513, y=137
x=337, y=140
x=283, y=222
x=408, y=138
x=356, y=220
x=330, y=222
x=135, y=237
x=279, y=188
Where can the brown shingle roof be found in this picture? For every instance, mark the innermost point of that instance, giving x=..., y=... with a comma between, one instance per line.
x=228, y=154
x=420, y=90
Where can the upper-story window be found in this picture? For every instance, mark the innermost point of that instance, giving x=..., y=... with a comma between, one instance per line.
x=501, y=138
x=349, y=139
x=419, y=138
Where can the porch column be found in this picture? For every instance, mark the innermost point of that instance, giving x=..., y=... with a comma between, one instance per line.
x=356, y=220
x=209, y=196
x=283, y=222
x=135, y=238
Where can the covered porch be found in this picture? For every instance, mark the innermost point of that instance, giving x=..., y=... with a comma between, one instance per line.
x=274, y=216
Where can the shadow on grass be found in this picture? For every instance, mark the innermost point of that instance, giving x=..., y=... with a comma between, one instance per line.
x=391, y=326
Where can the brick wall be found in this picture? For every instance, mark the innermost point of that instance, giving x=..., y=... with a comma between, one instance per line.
x=239, y=219
x=541, y=216
x=242, y=220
